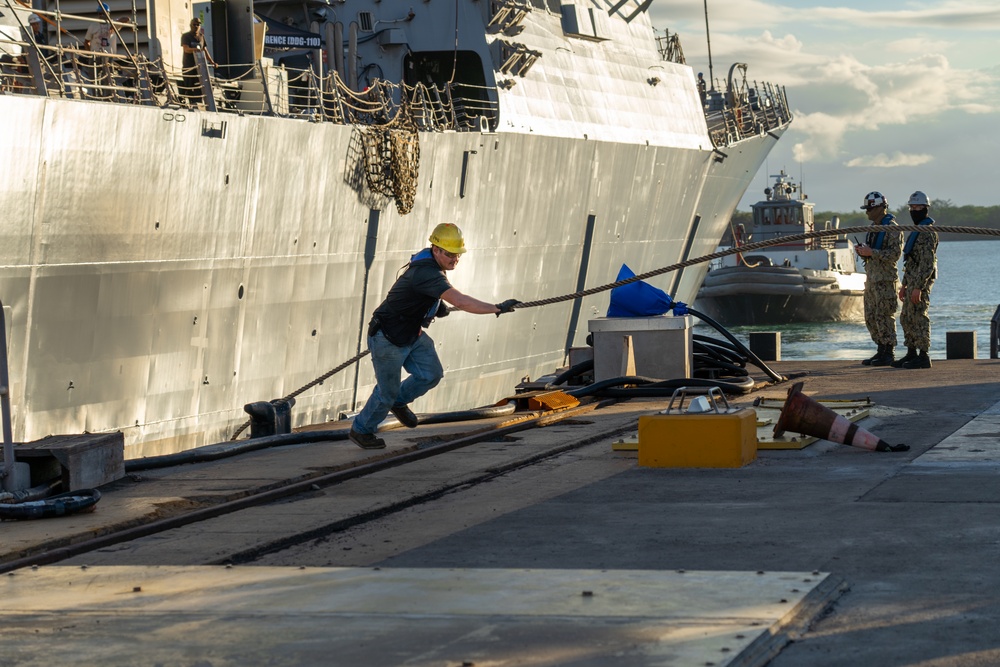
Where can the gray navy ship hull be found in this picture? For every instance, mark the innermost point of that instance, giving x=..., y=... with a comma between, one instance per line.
x=162, y=267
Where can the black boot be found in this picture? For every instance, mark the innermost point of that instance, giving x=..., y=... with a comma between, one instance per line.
x=869, y=360
x=911, y=354
x=920, y=361
x=885, y=358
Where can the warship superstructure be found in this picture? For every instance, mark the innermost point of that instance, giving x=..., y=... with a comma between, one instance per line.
x=167, y=258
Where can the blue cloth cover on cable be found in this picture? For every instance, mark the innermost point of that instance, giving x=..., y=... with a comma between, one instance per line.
x=638, y=299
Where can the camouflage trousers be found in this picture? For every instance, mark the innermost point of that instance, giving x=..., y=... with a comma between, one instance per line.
x=881, y=299
x=916, y=322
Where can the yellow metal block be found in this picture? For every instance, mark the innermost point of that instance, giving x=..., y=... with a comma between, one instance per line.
x=707, y=440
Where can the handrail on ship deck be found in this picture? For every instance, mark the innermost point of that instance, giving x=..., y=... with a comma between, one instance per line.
x=71, y=72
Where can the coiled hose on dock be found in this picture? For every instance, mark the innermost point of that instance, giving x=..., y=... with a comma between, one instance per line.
x=717, y=363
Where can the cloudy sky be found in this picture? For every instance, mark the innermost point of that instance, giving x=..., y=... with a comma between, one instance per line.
x=888, y=95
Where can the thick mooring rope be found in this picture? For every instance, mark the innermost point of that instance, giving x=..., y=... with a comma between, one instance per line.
x=750, y=247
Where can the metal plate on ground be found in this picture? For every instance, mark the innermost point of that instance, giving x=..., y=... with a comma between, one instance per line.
x=252, y=616
x=769, y=409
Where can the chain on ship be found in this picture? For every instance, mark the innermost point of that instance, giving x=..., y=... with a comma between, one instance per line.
x=172, y=252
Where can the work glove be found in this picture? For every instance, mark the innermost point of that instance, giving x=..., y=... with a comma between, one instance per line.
x=443, y=310
x=507, y=306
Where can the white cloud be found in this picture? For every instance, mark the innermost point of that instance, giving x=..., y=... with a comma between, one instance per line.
x=884, y=161
x=901, y=93
x=918, y=45
x=900, y=82
x=961, y=14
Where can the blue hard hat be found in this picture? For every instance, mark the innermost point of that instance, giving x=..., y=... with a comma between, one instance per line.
x=105, y=6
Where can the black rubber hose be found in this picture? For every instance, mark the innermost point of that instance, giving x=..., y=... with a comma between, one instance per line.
x=721, y=348
x=714, y=341
x=229, y=448
x=34, y=493
x=572, y=372
x=610, y=382
x=81, y=500
x=469, y=415
x=707, y=353
x=667, y=388
x=743, y=348
x=721, y=367
x=654, y=387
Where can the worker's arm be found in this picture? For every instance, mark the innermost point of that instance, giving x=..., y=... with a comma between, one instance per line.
x=468, y=303
x=473, y=305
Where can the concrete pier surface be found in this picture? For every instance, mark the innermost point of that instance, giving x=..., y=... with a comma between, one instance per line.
x=548, y=547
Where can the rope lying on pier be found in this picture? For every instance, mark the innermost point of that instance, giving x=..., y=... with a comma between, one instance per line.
x=750, y=247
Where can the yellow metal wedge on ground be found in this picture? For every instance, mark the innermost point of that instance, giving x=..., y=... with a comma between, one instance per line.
x=552, y=400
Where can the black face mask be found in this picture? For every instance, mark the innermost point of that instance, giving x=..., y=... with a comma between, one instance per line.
x=918, y=216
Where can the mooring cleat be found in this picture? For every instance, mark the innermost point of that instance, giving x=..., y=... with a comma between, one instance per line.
x=884, y=446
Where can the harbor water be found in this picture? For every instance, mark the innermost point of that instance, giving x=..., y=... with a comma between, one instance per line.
x=964, y=298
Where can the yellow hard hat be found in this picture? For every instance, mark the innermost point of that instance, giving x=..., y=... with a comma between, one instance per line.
x=448, y=237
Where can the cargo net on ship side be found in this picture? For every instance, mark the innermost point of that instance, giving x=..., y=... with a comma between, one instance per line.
x=392, y=161
x=390, y=145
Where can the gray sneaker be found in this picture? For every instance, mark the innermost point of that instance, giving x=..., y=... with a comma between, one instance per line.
x=366, y=440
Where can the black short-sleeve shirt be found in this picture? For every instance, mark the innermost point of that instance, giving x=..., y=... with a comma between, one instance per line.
x=412, y=299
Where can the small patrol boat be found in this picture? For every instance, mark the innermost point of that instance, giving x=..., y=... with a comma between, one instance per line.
x=816, y=280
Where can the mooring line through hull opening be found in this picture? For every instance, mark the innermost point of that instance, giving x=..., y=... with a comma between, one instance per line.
x=984, y=231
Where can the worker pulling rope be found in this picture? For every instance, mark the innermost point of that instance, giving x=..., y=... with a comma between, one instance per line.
x=983, y=231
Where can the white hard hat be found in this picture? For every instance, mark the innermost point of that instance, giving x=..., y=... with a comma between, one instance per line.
x=873, y=200
x=34, y=19
x=918, y=198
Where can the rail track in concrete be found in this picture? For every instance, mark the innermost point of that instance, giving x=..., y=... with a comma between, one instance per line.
x=297, y=512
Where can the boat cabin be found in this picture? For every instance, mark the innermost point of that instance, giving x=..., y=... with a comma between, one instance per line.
x=785, y=212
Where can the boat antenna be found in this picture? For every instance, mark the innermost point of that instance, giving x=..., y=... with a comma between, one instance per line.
x=708, y=40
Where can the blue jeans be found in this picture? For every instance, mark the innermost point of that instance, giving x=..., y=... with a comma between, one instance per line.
x=419, y=359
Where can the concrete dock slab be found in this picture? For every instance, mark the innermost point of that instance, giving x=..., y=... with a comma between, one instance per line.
x=249, y=616
x=913, y=534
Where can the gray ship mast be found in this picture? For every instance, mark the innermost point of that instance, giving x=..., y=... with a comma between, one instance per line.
x=708, y=41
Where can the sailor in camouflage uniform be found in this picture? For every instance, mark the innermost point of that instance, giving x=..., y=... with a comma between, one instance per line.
x=919, y=272
x=880, y=252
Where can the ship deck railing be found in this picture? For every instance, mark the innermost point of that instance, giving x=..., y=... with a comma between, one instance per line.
x=755, y=110
x=71, y=72
x=67, y=70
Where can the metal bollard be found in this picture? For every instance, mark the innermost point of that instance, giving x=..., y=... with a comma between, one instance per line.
x=270, y=417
